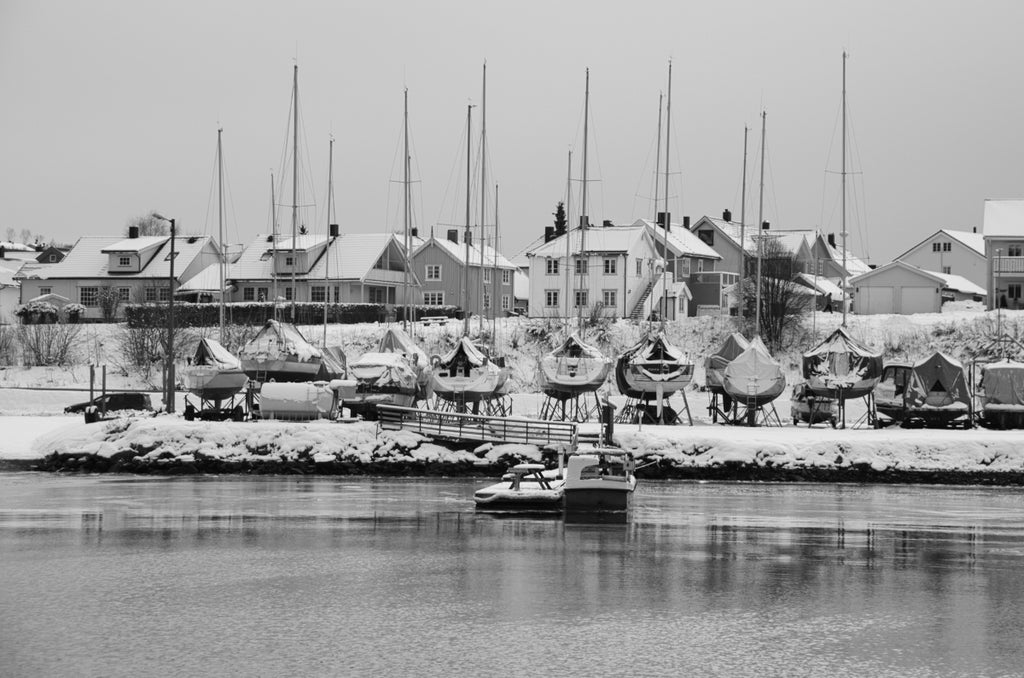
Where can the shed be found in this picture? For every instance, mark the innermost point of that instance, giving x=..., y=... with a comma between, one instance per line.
x=898, y=287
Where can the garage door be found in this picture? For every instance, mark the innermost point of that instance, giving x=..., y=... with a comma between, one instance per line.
x=918, y=300
x=872, y=300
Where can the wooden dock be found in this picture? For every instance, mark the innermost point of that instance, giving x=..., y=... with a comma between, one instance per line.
x=474, y=427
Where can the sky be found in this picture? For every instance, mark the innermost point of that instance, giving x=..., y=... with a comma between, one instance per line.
x=110, y=110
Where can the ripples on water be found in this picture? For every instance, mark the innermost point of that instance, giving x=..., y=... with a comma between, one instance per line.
x=282, y=576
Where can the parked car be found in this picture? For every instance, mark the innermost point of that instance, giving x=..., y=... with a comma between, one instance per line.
x=890, y=393
x=114, y=402
x=805, y=407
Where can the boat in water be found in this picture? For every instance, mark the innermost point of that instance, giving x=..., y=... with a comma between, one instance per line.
x=467, y=375
x=214, y=374
x=574, y=367
x=653, y=369
x=279, y=352
x=754, y=378
x=841, y=368
x=526, y=488
x=599, y=480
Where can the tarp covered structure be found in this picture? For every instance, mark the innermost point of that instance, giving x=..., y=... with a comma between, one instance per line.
x=1002, y=385
x=397, y=341
x=384, y=372
x=574, y=367
x=715, y=364
x=938, y=382
x=279, y=352
x=754, y=377
x=841, y=367
x=211, y=352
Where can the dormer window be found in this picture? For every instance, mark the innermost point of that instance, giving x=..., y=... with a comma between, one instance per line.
x=124, y=262
x=289, y=261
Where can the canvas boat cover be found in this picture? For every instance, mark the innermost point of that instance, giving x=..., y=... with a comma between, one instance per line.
x=755, y=374
x=1002, y=384
x=397, y=341
x=938, y=382
x=574, y=347
x=714, y=366
x=283, y=341
x=841, y=363
x=657, y=348
x=473, y=355
x=382, y=370
x=211, y=352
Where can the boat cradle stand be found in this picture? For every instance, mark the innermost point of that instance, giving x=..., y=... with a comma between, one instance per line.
x=650, y=411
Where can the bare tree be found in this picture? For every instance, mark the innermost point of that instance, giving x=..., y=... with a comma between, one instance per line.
x=26, y=236
x=784, y=303
x=110, y=301
x=148, y=224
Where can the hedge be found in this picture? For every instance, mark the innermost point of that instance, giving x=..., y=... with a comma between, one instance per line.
x=257, y=313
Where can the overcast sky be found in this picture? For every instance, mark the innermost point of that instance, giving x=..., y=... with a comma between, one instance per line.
x=110, y=110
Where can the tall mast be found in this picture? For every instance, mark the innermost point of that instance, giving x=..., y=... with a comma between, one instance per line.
x=495, y=285
x=327, y=254
x=668, y=218
x=483, y=196
x=405, y=206
x=466, y=237
x=657, y=158
x=743, y=224
x=584, y=219
x=295, y=180
x=273, y=244
x=568, y=240
x=843, y=174
x=760, y=230
x=220, y=225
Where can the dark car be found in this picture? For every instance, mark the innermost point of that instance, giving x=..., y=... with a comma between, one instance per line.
x=114, y=402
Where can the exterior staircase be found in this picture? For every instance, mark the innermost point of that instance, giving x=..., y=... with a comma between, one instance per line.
x=637, y=313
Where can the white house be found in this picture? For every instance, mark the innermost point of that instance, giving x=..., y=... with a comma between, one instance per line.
x=1003, y=230
x=10, y=295
x=902, y=288
x=952, y=252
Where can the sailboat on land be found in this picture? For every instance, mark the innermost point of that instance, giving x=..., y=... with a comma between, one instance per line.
x=754, y=378
x=279, y=352
x=574, y=367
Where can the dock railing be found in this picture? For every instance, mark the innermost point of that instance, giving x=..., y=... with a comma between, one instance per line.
x=475, y=427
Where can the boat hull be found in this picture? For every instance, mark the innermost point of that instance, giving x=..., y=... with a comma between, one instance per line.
x=564, y=381
x=479, y=385
x=595, y=498
x=282, y=370
x=500, y=498
x=648, y=381
x=211, y=383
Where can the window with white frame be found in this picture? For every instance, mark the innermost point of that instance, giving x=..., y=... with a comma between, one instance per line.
x=609, y=298
x=947, y=246
x=551, y=266
x=318, y=293
x=164, y=294
x=639, y=266
x=581, y=298
x=551, y=298
x=947, y=269
x=433, y=272
x=506, y=302
x=1013, y=291
x=1013, y=250
x=487, y=300
x=124, y=261
x=89, y=296
x=248, y=294
x=262, y=293
x=580, y=265
x=289, y=261
x=151, y=294
x=506, y=277
x=288, y=294
x=487, y=276
x=45, y=290
x=124, y=294
x=433, y=298
x=936, y=247
x=609, y=266
x=52, y=258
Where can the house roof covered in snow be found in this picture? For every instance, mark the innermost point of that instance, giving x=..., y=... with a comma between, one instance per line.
x=946, y=280
x=681, y=241
x=350, y=256
x=458, y=252
x=974, y=242
x=89, y=258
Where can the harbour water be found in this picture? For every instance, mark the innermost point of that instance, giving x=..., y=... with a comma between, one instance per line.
x=105, y=575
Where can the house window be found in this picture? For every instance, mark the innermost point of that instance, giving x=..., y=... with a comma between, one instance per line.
x=947, y=246
x=433, y=271
x=124, y=294
x=609, y=267
x=124, y=261
x=289, y=261
x=165, y=293
x=1013, y=250
x=89, y=296
x=700, y=266
x=580, y=265
x=261, y=293
x=248, y=294
x=318, y=293
x=337, y=293
x=581, y=298
x=433, y=298
x=487, y=300
x=639, y=266
x=288, y=293
x=608, y=298
x=1013, y=291
x=506, y=277
x=150, y=294
x=45, y=290
x=947, y=269
x=552, y=266
x=506, y=302
x=52, y=258
x=551, y=298
x=487, y=276
x=936, y=247
x=708, y=236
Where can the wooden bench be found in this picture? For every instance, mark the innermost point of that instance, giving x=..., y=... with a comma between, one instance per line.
x=475, y=427
x=439, y=319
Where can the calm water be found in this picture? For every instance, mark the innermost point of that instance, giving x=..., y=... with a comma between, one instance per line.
x=282, y=576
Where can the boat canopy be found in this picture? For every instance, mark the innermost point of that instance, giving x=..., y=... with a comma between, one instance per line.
x=384, y=369
x=211, y=352
x=714, y=366
x=278, y=341
x=841, y=363
x=938, y=382
x=656, y=348
x=755, y=374
x=474, y=355
x=397, y=341
x=1002, y=383
x=575, y=347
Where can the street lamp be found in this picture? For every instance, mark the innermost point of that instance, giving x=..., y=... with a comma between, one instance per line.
x=169, y=386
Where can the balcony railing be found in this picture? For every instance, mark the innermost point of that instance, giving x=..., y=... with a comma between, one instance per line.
x=1004, y=265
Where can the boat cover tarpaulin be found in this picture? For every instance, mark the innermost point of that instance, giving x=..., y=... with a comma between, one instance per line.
x=574, y=347
x=714, y=366
x=472, y=354
x=384, y=370
x=1002, y=383
x=397, y=341
x=840, y=365
x=283, y=343
x=938, y=382
x=211, y=352
x=754, y=376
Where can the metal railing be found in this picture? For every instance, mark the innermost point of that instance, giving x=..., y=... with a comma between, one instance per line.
x=458, y=426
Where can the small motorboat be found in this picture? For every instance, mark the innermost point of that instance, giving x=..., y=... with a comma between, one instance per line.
x=466, y=375
x=279, y=352
x=599, y=480
x=841, y=368
x=754, y=378
x=574, y=367
x=525, y=488
x=214, y=374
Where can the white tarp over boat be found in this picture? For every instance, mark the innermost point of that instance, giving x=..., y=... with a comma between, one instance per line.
x=1002, y=385
x=938, y=382
x=384, y=371
x=714, y=366
x=211, y=352
x=754, y=377
x=280, y=352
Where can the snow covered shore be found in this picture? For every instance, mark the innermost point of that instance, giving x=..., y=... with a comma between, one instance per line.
x=166, y=445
